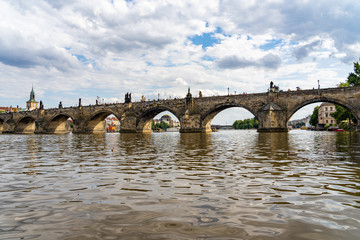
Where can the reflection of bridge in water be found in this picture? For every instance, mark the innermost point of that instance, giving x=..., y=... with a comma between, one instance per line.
x=273, y=110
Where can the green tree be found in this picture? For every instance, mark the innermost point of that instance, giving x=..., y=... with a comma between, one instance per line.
x=314, y=117
x=163, y=125
x=246, y=123
x=299, y=124
x=342, y=114
x=353, y=79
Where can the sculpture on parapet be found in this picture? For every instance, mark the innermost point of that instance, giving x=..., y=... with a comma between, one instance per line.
x=41, y=105
x=60, y=105
x=188, y=98
x=143, y=98
x=189, y=95
x=273, y=87
x=128, y=97
x=79, y=102
x=200, y=94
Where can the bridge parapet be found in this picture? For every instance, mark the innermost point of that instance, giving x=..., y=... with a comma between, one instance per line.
x=273, y=110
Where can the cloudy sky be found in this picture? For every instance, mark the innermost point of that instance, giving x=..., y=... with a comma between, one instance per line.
x=69, y=49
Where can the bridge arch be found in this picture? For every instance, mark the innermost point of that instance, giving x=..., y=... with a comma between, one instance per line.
x=25, y=125
x=1, y=125
x=9, y=126
x=96, y=122
x=342, y=103
x=59, y=124
x=143, y=122
x=208, y=116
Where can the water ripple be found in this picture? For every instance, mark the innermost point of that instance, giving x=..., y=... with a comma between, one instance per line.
x=225, y=185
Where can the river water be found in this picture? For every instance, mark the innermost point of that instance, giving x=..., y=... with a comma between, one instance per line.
x=224, y=185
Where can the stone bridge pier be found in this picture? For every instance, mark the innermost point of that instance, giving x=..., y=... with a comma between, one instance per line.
x=272, y=119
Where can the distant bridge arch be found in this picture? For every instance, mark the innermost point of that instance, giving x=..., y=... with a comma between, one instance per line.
x=144, y=120
x=9, y=125
x=25, y=125
x=209, y=115
x=1, y=125
x=58, y=124
x=340, y=102
x=96, y=123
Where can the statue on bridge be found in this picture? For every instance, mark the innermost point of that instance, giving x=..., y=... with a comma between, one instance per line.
x=128, y=97
x=79, y=102
x=41, y=105
x=273, y=87
x=60, y=105
x=189, y=99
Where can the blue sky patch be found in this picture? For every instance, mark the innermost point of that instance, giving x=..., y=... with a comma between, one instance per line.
x=86, y=61
x=81, y=58
x=208, y=58
x=271, y=44
x=206, y=39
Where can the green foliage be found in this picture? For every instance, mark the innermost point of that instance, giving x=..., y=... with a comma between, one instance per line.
x=344, y=84
x=162, y=125
x=246, y=123
x=354, y=78
x=299, y=125
x=342, y=114
x=314, y=116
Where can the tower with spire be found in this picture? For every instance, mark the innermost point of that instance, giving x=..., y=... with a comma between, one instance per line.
x=32, y=103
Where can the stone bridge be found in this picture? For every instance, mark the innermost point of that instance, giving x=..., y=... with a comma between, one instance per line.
x=273, y=110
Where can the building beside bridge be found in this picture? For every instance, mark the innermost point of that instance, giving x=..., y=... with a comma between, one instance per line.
x=112, y=124
x=324, y=114
x=167, y=119
x=11, y=109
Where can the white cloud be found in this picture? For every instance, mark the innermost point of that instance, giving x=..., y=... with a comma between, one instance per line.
x=80, y=48
x=181, y=81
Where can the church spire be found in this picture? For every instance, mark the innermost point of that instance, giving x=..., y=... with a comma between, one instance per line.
x=32, y=94
x=32, y=103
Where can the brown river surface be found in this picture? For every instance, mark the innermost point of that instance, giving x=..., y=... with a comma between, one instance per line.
x=224, y=185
